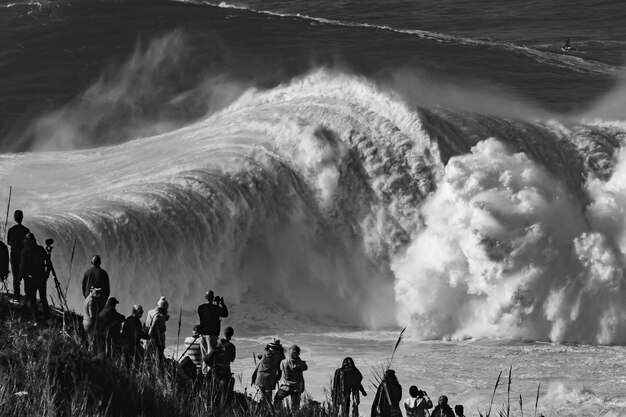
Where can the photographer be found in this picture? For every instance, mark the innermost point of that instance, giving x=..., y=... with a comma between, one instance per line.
x=210, y=314
x=155, y=322
x=417, y=404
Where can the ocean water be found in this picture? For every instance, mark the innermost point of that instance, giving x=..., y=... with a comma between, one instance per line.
x=338, y=171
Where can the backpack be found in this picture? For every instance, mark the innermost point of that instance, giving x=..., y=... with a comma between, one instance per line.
x=219, y=363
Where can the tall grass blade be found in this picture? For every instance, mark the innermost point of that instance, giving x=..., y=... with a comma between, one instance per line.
x=537, y=399
x=493, y=396
x=508, y=393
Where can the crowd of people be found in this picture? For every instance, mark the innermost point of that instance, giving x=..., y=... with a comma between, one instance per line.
x=206, y=358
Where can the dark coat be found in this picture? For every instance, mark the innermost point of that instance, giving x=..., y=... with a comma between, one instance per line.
x=98, y=278
x=15, y=239
x=34, y=263
x=442, y=411
x=389, y=389
x=346, y=381
x=267, y=372
x=111, y=322
x=4, y=260
x=210, y=314
x=133, y=331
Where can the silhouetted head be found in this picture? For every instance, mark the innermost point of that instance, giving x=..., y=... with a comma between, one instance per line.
x=347, y=363
x=112, y=301
x=443, y=400
x=229, y=332
x=209, y=296
x=95, y=260
x=458, y=409
x=413, y=391
x=137, y=310
x=294, y=351
x=162, y=303
x=95, y=292
x=18, y=216
x=30, y=240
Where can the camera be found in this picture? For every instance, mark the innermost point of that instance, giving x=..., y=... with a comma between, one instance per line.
x=421, y=393
x=218, y=299
x=49, y=242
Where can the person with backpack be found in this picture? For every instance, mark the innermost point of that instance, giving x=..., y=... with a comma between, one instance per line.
x=292, y=380
x=155, y=323
x=417, y=404
x=346, y=387
x=388, y=396
x=15, y=238
x=221, y=381
x=442, y=409
x=210, y=315
x=97, y=277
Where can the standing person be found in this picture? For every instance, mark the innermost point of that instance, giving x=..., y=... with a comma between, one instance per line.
x=210, y=314
x=267, y=373
x=388, y=396
x=111, y=322
x=155, y=322
x=442, y=409
x=220, y=375
x=34, y=271
x=133, y=332
x=90, y=317
x=97, y=277
x=346, y=388
x=4, y=262
x=417, y=404
x=292, y=380
x=15, y=238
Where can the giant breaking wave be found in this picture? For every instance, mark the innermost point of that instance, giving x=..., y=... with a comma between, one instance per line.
x=333, y=198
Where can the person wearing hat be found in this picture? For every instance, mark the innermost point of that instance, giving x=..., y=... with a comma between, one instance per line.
x=155, y=323
x=442, y=409
x=15, y=238
x=133, y=332
x=267, y=372
x=388, y=396
x=110, y=321
x=91, y=316
x=292, y=379
x=34, y=269
x=97, y=277
x=210, y=314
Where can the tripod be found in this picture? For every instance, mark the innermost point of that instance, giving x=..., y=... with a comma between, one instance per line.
x=57, y=284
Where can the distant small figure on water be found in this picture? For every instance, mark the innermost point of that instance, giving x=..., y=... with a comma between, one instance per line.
x=346, y=388
x=292, y=380
x=442, y=409
x=155, y=322
x=388, y=396
x=418, y=402
x=97, y=277
x=34, y=272
x=15, y=239
x=210, y=314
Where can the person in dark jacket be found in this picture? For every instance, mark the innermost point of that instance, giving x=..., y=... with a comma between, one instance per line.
x=34, y=271
x=15, y=239
x=4, y=261
x=459, y=410
x=346, y=387
x=267, y=372
x=220, y=376
x=442, y=409
x=133, y=332
x=210, y=314
x=388, y=396
x=111, y=322
x=97, y=277
x=292, y=379
x=418, y=403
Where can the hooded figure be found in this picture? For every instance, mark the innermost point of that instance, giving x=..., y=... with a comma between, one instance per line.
x=442, y=409
x=388, y=396
x=346, y=388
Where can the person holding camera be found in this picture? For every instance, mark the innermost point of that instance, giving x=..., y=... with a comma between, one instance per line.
x=155, y=322
x=210, y=314
x=417, y=404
